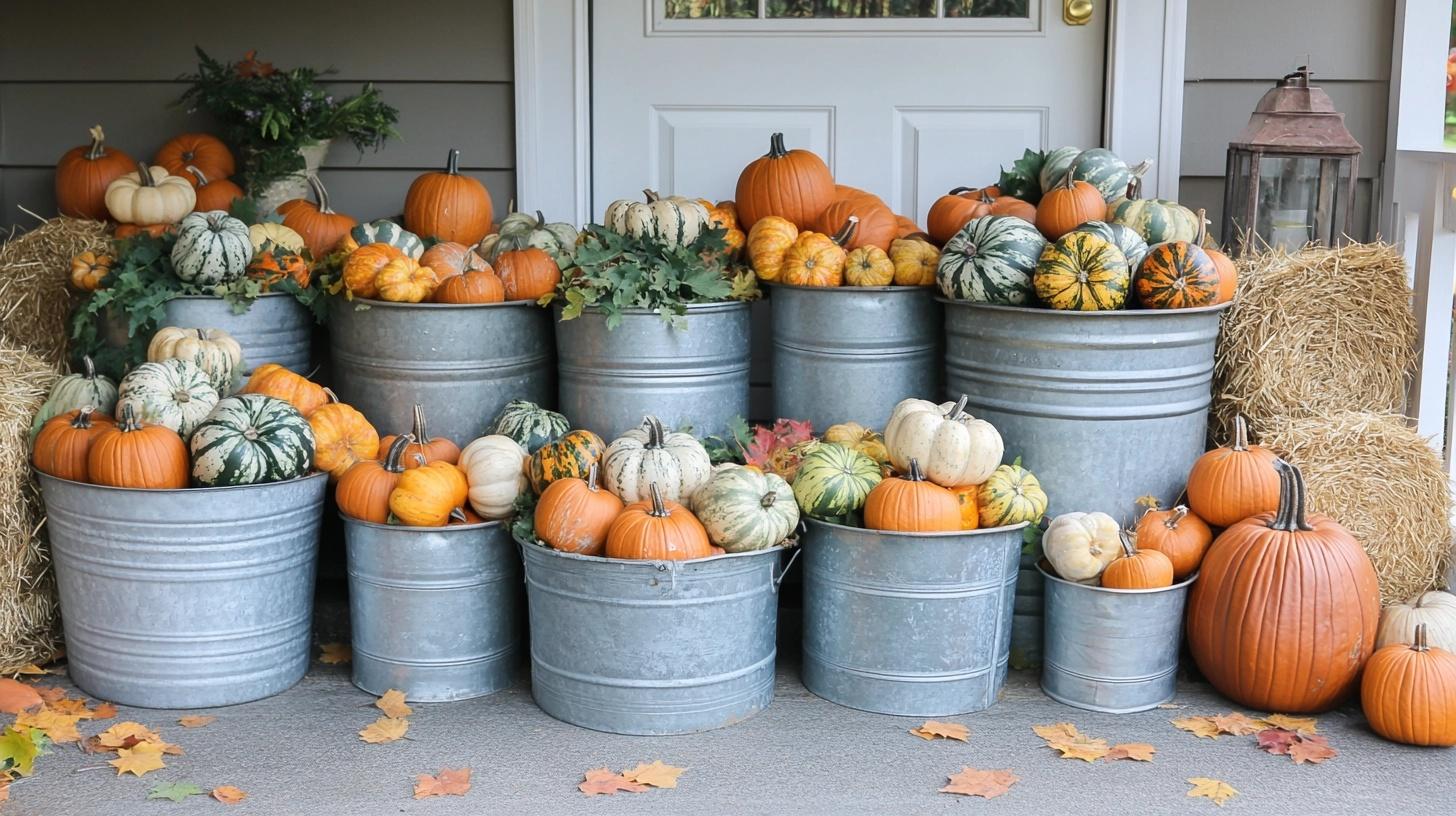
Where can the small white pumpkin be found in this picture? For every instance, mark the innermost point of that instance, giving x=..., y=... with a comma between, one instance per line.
x=676, y=462
x=744, y=509
x=160, y=199
x=1079, y=546
x=212, y=248
x=267, y=235
x=675, y=221
x=495, y=469
x=174, y=393
x=213, y=350
x=1437, y=610
x=954, y=449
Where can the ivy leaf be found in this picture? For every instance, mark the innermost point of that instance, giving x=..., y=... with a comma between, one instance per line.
x=176, y=791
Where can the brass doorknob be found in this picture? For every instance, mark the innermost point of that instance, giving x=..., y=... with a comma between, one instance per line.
x=1076, y=12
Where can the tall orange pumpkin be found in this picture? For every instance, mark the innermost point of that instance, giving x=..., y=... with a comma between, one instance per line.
x=1284, y=612
x=64, y=442
x=83, y=174
x=877, y=224
x=315, y=220
x=658, y=530
x=1230, y=484
x=527, y=274
x=1409, y=693
x=1067, y=206
x=448, y=206
x=201, y=150
x=213, y=192
x=793, y=184
x=134, y=454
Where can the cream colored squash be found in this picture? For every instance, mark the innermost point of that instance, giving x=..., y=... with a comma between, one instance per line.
x=676, y=462
x=261, y=235
x=160, y=199
x=213, y=350
x=1081, y=545
x=495, y=469
x=1437, y=610
x=675, y=221
x=954, y=449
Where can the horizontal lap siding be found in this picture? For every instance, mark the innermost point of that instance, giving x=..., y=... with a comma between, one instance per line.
x=445, y=64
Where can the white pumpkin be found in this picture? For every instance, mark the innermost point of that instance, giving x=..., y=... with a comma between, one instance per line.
x=267, y=235
x=495, y=469
x=1079, y=546
x=213, y=350
x=1437, y=610
x=954, y=449
x=160, y=199
x=676, y=462
x=675, y=221
x=174, y=393
x=212, y=248
x=744, y=509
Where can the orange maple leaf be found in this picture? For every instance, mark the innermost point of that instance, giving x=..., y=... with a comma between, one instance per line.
x=1312, y=749
x=1299, y=725
x=60, y=727
x=51, y=694
x=393, y=705
x=143, y=758
x=985, y=784
x=228, y=795
x=1237, y=724
x=384, y=729
x=602, y=781
x=1213, y=789
x=1203, y=727
x=333, y=654
x=658, y=774
x=16, y=697
x=1140, y=751
x=447, y=783
x=4, y=788
x=942, y=730
x=103, y=711
x=1073, y=744
x=125, y=735
x=196, y=721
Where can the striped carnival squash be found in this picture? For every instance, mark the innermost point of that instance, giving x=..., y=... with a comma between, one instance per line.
x=526, y=231
x=745, y=509
x=677, y=463
x=571, y=456
x=675, y=221
x=1012, y=495
x=213, y=350
x=529, y=424
x=1081, y=272
x=251, y=439
x=1100, y=168
x=1155, y=219
x=1125, y=238
x=1176, y=275
x=212, y=248
x=833, y=481
x=1055, y=166
x=990, y=261
x=175, y=393
x=384, y=231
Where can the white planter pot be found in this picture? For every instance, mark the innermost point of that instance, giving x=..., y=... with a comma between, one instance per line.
x=296, y=185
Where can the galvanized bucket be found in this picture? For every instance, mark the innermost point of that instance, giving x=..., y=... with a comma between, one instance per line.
x=652, y=647
x=1111, y=650
x=276, y=328
x=462, y=362
x=1026, y=619
x=435, y=612
x=185, y=598
x=913, y=624
x=1103, y=407
x=695, y=376
x=851, y=353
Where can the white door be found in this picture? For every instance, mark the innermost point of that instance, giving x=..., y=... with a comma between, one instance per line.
x=925, y=96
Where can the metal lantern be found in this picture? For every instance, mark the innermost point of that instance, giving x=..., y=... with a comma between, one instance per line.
x=1291, y=174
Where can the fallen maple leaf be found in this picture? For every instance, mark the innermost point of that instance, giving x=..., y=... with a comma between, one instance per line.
x=1139, y=751
x=1299, y=725
x=125, y=735
x=1072, y=744
x=1059, y=732
x=16, y=697
x=70, y=707
x=603, y=782
x=18, y=751
x=384, y=729
x=447, y=783
x=228, y=795
x=51, y=694
x=176, y=791
x=393, y=705
x=1312, y=749
x=942, y=730
x=333, y=654
x=143, y=758
x=31, y=668
x=1277, y=740
x=196, y=721
x=1216, y=791
x=59, y=727
x=1203, y=727
x=1237, y=724
x=658, y=774
x=985, y=784
x=103, y=711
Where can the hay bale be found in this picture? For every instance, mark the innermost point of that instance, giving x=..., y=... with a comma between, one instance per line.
x=35, y=270
x=1376, y=476
x=28, y=612
x=1313, y=332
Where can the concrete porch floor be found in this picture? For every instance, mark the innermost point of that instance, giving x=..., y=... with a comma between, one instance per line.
x=298, y=753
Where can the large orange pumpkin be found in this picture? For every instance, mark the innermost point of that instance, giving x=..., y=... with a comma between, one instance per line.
x=793, y=184
x=956, y=208
x=134, y=454
x=1178, y=534
x=877, y=224
x=575, y=515
x=201, y=150
x=315, y=220
x=64, y=442
x=1284, y=612
x=213, y=192
x=1067, y=206
x=448, y=206
x=1409, y=693
x=910, y=504
x=658, y=530
x=1227, y=485
x=527, y=274
x=83, y=174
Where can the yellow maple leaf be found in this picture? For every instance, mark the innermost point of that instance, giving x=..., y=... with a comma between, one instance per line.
x=942, y=730
x=125, y=735
x=1059, y=732
x=59, y=726
x=384, y=729
x=196, y=721
x=1071, y=743
x=1238, y=724
x=1203, y=727
x=1140, y=751
x=1216, y=791
x=393, y=705
x=1299, y=725
x=657, y=774
x=70, y=706
x=140, y=759
x=31, y=668
x=333, y=654
x=228, y=795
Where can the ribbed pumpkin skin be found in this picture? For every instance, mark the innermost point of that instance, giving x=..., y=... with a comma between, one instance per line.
x=64, y=443
x=133, y=454
x=877, y=224
x=342, y=437
x=276, y=381
x=529, y=424
x=1409, y=695
x=447, y=205
x=320, y=226
x=814, y=260
x=869, y=266
x=363, y=491
x=1178, y=534
x=571, y=456
x=1097, y=166
x=251, y=439
x=990, y=261
x=475, y=286
x=174, y=393
x=1012, y=495
x=915, y=260
x=1055, y=165
x=1144, y=569
x=1227, y=485
x=911, y=505
x=384, y=231
x=744, y=509
x=793, y=184
x=834, y=481
x=575, y=515
x=769, y=239
x=1176, y=275
x=84, y=172
x=640, y=533
x=1157, y=220
x=1133, y=247
x=527, y=274
x=1081, y=272
x=363, y=265
x=448, y=259
x=77, y=391
x=1435, y=609
x=650, y=455
x=201, y=150
x=951, y=212
x=1066, y=207
x=212, y=248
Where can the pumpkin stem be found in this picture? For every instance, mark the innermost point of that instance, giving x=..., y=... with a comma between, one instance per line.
x=1418, y=643
x=986, y=198
x=1179, y=513
x=201, y=179
x=329, y=393
x=1134, y=188
x=776, y=146
x=98, y=143
x=593, y=475
x=129, y=421
x=1129, y=549
x=396, y=451
x=458, y=514
x=960, y=190
x=144, y=175
x=915, y=474
x=659, y=509
x=1241, y=434
x=452, y=162
x=1202, y=234
x=960, y=407
x=1290, y=516
x=650, y=195
x=320, y=195
x=846, y=232
x=540, y=219
x=420, y=435
x=653, y=426
x=768, y=500
x=88, y=367
x=1140, y=169
x=83, y=418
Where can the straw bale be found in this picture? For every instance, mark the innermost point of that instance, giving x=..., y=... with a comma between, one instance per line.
x=35, y=268
x=1376, y=476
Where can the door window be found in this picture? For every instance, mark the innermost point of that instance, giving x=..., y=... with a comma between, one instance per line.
x=839, y=16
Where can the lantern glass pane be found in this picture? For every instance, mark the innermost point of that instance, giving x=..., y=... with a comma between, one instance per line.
x=1289, y=195
x=1237, y=217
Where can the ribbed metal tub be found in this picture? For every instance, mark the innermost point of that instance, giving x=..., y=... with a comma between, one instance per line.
x=462, y=362
x=696, y=376
x=276, y=328
x=435, y=612
x=1111, y=650
x=652, y=647
x=1026, y=620
x=185, y=598
x=913, y=624
x=884, y=340
x=1103, y=407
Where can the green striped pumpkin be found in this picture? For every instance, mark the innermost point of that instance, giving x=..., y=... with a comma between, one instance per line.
x=569, y=457
x=1133, y=247
x=526, y=231
x=251, y=439
x=1157, y=220
x=833, y=481
x=385, y=231
x=744, y=509
x=529, y=424
x=174, y=393
x=77, y=391
x=990, y=261
x=674, y=221
x=212, y=248
x=1058, y=162
x=1082, y=272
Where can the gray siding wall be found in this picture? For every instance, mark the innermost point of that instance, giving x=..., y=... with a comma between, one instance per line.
x=445, y=64
x=1235, y=51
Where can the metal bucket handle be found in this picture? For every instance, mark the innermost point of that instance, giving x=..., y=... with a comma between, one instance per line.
x=778, y=580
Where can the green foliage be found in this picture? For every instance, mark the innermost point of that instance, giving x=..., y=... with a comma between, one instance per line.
x=18, y=751
x=176, y=791
x=729, y=448
x=1023, y=180
x=523, y=517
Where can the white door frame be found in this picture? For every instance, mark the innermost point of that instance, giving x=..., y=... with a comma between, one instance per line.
x=1143, y=100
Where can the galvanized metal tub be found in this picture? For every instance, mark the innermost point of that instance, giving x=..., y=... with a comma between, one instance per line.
x=1103, y=407
x=185, y=598
x=276, y=328
x=698, y=376
x=851, y=353
x=1111, y=650
x=435, y=612
x=913, y=624
x=462, y=362
x=652, y=647
x=1026, y=619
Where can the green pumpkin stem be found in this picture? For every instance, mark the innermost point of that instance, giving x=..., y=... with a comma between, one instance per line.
x=457, y=514
x=1129, y=549
x=83, y=418
x=320, y=195
x=1418, y=643
x=776, y=148
x=651, y=195
x=452, y=162
x=129, y=421
x=420, y=435
x=659, y=508
x=540, y=220
x=768, y=499
x=1290, y=517
x=655, y=433
x=960, y=190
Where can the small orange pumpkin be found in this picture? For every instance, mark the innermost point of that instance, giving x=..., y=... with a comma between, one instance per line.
x=1177, y=275
x=362, y=267
x=768, y=242
x=132, y=453
x=1228, y=485
x=1067, y=206
x=449, y=258
x=1228, y=273
x=1138, y=569
x=271, y=266
x=958, y=207
x=64, y=442
x=527, y=274
x=316, y=221
x=342, y=437
x=428, y=496
x=363, y=490
x=1178, y=534
x=213, y=193
x=475, y=286
x=657, y=530
x=274, y=380
x=403, y=280
x=89, y=269
x=911, y=504
x=201, y=150
x=575, y=515
x=423, y=446
x=876, y=222
x=816, y=259
x=1409, y=693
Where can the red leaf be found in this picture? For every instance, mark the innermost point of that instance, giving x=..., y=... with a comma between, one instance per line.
x=1277, y=740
